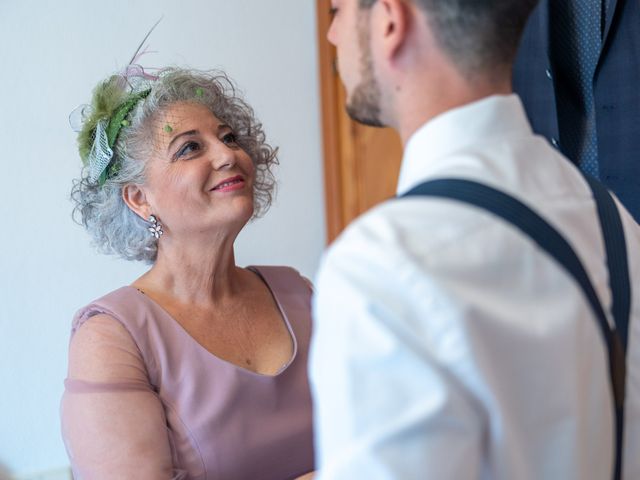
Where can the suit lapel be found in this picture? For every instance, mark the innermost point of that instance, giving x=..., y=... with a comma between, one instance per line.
x=612, y=6
x=545, y=24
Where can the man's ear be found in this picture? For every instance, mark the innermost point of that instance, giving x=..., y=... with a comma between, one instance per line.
x=391, y=21
x=136, y=199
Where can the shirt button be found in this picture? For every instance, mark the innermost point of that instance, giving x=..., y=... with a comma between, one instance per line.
x=548, y=73
x=555, y=143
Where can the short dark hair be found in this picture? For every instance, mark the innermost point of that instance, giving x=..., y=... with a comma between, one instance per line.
x=478, y=35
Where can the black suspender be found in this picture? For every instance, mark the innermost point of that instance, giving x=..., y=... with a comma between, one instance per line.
x=551, y=241
x=616, y=250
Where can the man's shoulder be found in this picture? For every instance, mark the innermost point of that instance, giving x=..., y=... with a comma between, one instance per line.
x=410, y=239
x=408, y=224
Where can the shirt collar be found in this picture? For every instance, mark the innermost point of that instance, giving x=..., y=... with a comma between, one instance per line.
x=456, y=130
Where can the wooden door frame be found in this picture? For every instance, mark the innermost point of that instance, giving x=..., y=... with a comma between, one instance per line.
x=329, y=95
x=360, y=163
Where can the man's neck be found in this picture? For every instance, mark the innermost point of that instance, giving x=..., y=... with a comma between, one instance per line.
x=416, y=105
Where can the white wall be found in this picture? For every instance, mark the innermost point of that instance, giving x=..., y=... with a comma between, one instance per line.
x=52, y=54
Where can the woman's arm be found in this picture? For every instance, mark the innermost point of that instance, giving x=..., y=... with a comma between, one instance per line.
x=113, y=423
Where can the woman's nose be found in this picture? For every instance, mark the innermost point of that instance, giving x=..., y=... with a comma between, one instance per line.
x=223, y=157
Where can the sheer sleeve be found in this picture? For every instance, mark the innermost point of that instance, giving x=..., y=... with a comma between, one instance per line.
x=113, y=423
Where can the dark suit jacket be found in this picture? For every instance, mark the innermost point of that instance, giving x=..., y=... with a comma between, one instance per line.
x=616, y=93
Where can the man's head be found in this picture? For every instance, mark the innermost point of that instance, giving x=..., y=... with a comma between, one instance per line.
x=382, y=42
x=350, y=33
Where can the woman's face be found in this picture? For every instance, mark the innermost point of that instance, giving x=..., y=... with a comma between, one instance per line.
x=198, y=180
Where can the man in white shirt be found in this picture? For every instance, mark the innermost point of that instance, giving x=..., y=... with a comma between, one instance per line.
x=447, y=345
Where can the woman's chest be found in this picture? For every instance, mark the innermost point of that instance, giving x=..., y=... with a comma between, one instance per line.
x=227, y=422
x=252, y=336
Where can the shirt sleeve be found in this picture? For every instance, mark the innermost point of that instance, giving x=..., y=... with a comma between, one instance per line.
x=386, y=404
x=113, y=423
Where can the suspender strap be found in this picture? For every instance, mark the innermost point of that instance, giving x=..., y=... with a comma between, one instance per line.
x=616, y=251
x=616, y=248
x=551, y=241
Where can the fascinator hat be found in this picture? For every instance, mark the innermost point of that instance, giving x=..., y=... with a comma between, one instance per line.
x=100, y=123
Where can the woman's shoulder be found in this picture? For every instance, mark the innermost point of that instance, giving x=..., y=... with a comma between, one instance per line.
x=283, y=279
x=293, y=294
x=102, y=350
x=119, y=305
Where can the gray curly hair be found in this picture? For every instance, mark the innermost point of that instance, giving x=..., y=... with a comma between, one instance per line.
x=102, y=211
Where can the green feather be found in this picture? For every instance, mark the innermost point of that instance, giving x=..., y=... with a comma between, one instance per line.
x=107, y=97
x=115, y=122
x=110, y=102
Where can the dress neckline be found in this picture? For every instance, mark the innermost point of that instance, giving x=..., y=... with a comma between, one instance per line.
x=239, y=368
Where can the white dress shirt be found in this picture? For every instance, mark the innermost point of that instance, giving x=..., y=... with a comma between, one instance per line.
x=447, y=345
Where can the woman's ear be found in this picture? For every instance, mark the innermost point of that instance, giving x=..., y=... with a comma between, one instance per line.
x=136, y=199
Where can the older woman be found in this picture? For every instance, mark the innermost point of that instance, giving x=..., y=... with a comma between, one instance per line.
x=198, y=368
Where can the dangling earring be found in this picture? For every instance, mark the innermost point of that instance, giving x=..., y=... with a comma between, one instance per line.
x=156, y=226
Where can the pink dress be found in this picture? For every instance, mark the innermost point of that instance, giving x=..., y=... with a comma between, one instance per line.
x=186, y=413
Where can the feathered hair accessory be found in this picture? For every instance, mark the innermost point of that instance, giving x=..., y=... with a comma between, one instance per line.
x=99, y=124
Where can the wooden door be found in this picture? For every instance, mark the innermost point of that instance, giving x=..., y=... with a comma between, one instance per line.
x=361, y=164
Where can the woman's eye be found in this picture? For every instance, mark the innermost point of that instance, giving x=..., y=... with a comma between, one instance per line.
x=230, y=139
x=187, y=149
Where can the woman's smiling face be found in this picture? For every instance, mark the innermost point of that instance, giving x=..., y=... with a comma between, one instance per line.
x=198, y=179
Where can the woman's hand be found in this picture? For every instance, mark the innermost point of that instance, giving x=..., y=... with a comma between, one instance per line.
x=306, y=476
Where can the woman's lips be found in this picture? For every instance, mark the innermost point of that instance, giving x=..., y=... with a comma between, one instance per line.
x=230, y=185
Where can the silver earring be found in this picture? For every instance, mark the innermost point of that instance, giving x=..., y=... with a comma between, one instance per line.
x=156, y=227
